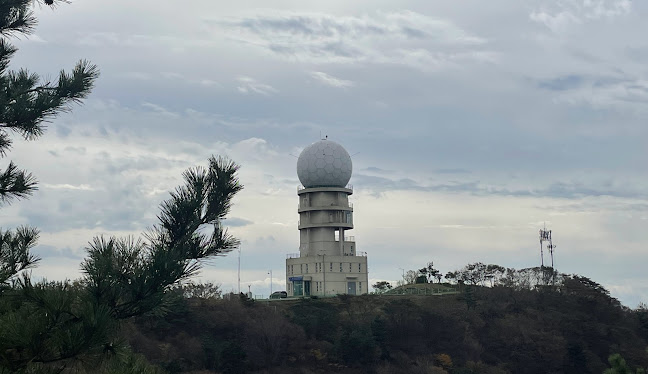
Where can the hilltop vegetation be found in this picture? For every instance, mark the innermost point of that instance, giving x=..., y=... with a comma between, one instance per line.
x=573, y=328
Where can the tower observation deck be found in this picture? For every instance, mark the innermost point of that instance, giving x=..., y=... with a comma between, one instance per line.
x=328, y=262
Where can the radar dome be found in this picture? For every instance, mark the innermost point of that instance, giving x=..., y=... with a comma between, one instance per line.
x=324, y=164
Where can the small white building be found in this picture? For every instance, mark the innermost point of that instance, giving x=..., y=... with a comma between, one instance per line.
x=328, y=262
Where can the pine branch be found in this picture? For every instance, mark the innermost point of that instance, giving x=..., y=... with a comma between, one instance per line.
x=25, y=105
x=14, y=251
x=52, y=3
x=16, y=184
x=5, y=143
x=6, y=52
x=53, y=322
x=131, y=277
x=45, y=323
x=16, y=18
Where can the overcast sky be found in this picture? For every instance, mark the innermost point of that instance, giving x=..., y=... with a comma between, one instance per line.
x=471, y=124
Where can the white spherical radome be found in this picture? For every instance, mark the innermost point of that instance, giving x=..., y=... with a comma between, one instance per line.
x=324, y=164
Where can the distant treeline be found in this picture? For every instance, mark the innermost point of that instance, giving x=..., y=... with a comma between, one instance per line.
x=573, y=327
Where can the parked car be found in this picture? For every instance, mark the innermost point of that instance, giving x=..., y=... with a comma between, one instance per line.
x=279, y=295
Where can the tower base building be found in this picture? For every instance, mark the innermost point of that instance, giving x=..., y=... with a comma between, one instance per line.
x=328, y=262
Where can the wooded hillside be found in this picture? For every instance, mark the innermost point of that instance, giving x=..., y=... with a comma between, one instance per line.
x=571, y=329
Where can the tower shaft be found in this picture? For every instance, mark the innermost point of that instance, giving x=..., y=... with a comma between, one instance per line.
x=324, y=215
x=328, y=263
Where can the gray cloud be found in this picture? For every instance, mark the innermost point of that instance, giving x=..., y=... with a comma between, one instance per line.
x=331, y=80
x=597, y=206
x=62, y=131
x=452, y=171
x=562, y=83
x=405, y=37
x=563, y=190
x=561, y=16
x=638, y=54
x=250, y=85
x=237, y=222
x=618, y=91
x=374, y=169
x=47, y=252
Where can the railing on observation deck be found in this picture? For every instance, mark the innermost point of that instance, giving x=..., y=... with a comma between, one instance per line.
x=296, y=255
x=349, y=238
x=300, y=187
x=322, y=207
x=327, y=224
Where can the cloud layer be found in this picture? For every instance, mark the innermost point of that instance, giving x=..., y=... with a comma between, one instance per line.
x=467, y=133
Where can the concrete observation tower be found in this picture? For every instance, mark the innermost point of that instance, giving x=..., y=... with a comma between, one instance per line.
x=328, y=262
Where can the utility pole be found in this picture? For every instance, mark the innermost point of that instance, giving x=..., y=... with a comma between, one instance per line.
x=239, y=269
x=270, y=272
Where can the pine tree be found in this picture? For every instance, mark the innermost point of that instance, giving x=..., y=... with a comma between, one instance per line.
x=73, y=326
x=131, y=276
x=50, y=326
x=26, y=104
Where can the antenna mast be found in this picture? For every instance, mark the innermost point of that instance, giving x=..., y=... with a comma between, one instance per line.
x=551, y=248
x=545, y=236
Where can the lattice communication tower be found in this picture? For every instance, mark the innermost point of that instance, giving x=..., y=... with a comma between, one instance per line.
x=545, y=237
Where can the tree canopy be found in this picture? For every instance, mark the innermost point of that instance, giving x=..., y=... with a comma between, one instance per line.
x=72, y=326
x=52, y=325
